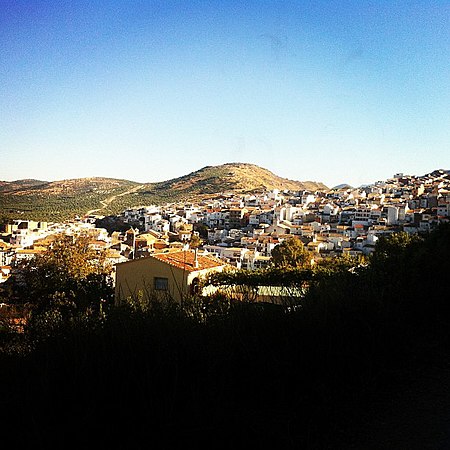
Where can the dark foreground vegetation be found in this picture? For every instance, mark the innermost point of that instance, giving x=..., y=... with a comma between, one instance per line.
x=222, y=373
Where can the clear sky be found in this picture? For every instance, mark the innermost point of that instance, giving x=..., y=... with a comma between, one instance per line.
x=332, y=91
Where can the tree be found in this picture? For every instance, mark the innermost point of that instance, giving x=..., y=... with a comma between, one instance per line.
x=113, y=223
x=69, y=273
x=334, y=265
x=393, y=245
x=195, y=241
x=291, y=253
x=393, y=253
x=202, y=230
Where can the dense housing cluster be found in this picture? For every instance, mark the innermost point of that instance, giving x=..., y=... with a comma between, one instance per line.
x=243, y=229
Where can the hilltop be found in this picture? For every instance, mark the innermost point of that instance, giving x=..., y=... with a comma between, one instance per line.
x=10, y=186
x=58, y=200
x=231, y=177
x=236, y=177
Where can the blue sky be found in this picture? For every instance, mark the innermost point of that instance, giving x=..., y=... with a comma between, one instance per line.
x=150, y=90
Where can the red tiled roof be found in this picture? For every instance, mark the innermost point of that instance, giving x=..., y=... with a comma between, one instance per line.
x=185, y=260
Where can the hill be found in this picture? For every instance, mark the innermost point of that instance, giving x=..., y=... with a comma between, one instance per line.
x=342, y=186
x=63, y=187
x=231, y=177
x=235, y=177
x=11, y=186
x=57, y=200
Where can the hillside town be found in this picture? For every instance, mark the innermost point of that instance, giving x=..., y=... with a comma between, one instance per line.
x=242, y=230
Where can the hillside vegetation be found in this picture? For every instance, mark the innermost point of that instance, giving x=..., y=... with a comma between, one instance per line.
x=58, y=200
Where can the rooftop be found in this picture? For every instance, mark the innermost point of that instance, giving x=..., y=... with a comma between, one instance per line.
x=185, y=260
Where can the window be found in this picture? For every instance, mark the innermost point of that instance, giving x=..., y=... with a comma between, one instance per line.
x=161, y=284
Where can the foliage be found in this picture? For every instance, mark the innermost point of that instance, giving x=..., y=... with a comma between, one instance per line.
x=291, y=253
x=195, y=241
x=393, y=246
x=112, y=224
x=70, y=274
x=337, y=264
x=272, y=276
x=202, y=230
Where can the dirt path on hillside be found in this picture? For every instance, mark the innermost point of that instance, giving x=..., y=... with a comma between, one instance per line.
x=105, y=203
